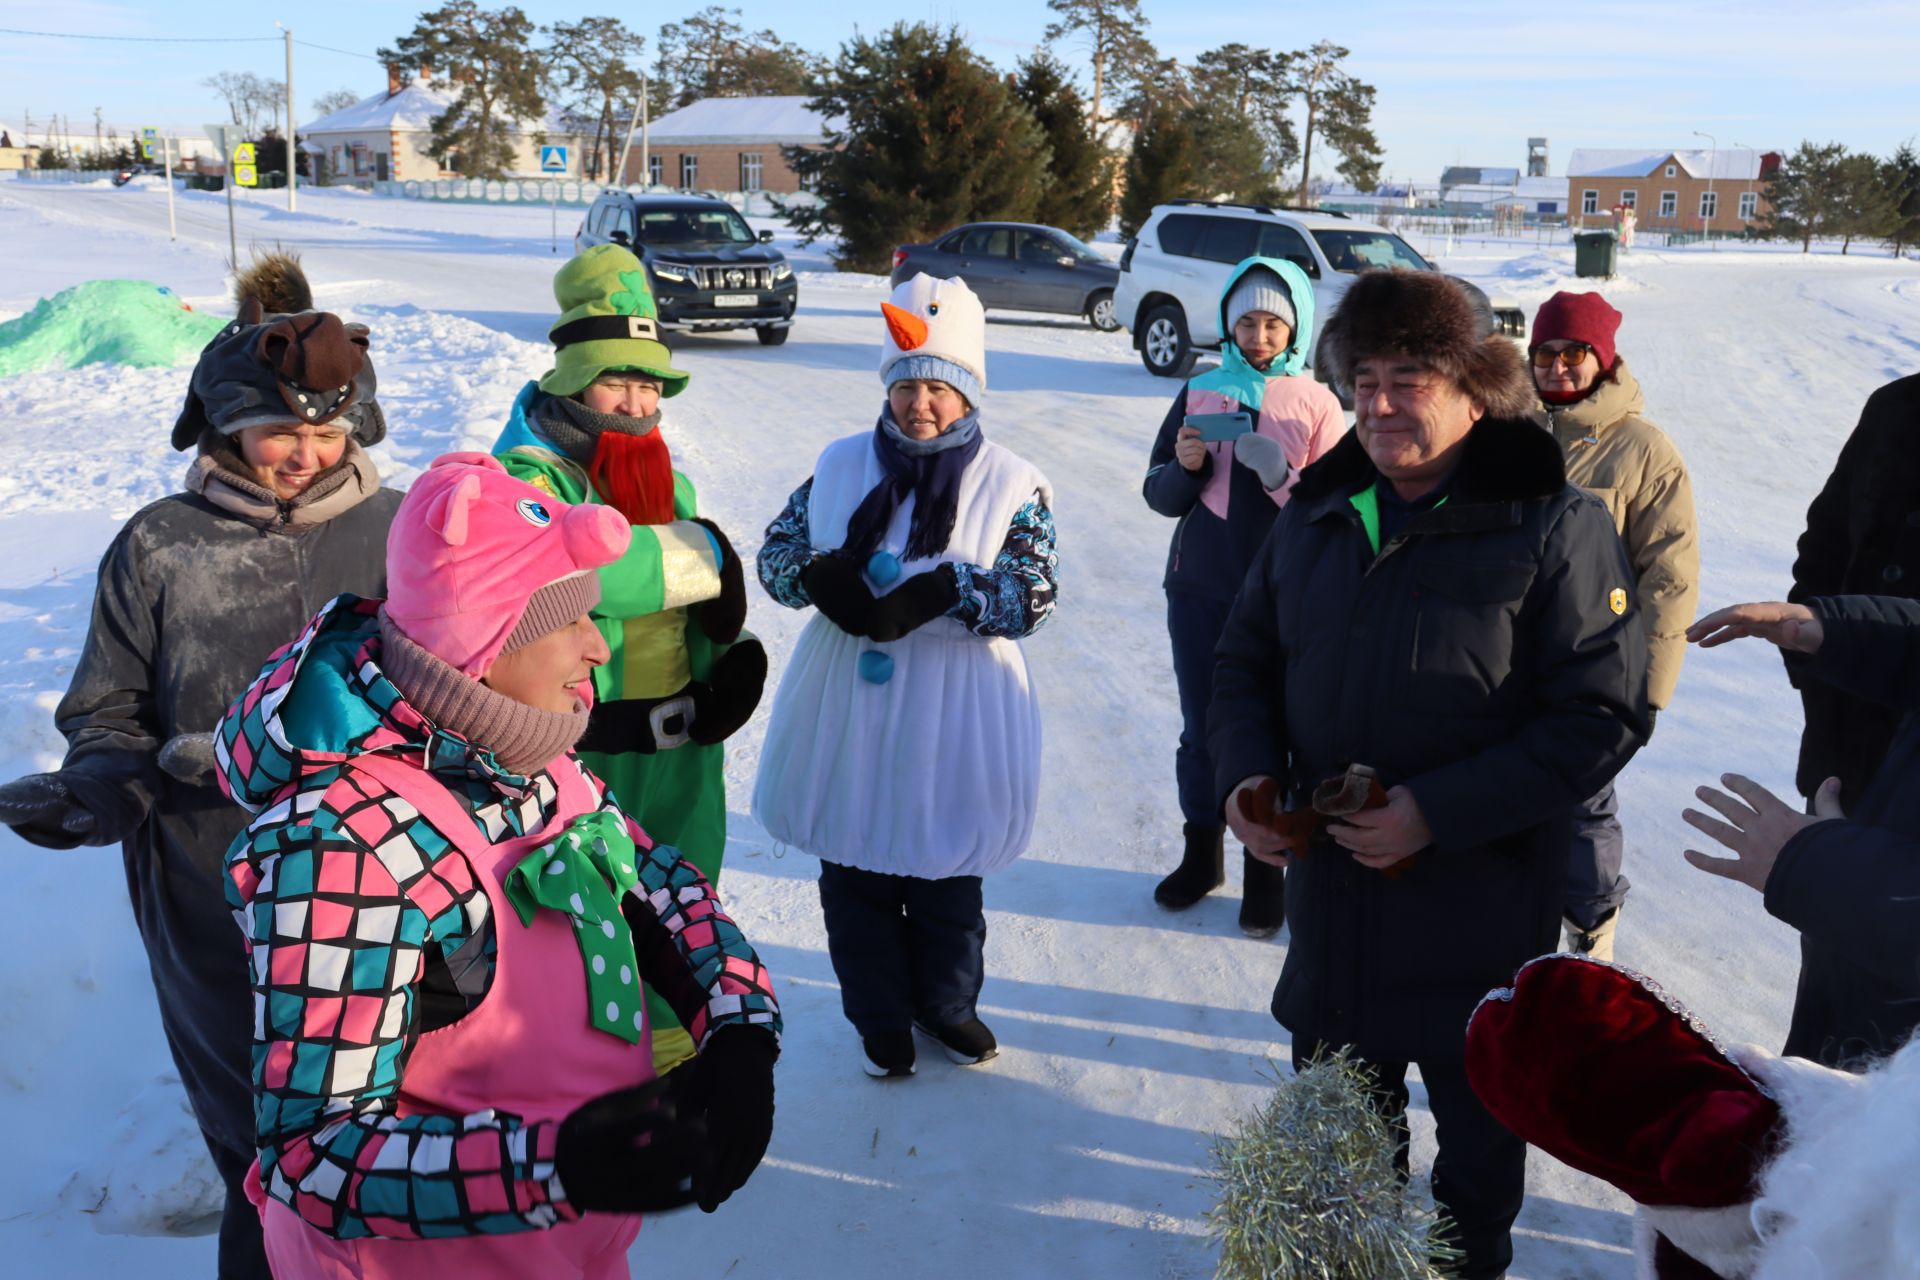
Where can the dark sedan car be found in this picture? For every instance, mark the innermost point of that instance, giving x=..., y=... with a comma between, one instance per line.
x=1017, y=266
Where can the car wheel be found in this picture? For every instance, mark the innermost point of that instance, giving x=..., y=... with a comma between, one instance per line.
x=1164, y=346
x=770, y=336
x=1100, y=311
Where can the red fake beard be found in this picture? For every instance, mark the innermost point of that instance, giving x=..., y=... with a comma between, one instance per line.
x=634, y=475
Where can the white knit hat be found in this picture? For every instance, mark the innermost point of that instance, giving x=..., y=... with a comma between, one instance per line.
x=1259, y=290
x=936, y=329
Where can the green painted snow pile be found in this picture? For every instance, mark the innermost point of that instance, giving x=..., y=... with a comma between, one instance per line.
x=132, y=322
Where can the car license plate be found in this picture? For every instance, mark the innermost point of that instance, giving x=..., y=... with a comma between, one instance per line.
x=736, y=300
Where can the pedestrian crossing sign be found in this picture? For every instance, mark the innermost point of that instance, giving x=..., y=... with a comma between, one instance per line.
x=553, y=159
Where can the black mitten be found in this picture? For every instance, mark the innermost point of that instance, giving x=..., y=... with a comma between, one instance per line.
x=915, y=603
x=838, y=588
x=730, y=1085
x=732, y=691
x=634, y=1150
x=41, y=805
x=188, y=758
x=722, y=617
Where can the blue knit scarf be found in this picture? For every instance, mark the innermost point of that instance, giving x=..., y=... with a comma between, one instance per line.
x=927, y=470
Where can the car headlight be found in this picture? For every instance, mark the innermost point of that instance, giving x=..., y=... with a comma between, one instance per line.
x=673, y=271
x=782, y=271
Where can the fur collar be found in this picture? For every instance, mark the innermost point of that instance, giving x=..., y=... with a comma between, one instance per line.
x=1504, y=460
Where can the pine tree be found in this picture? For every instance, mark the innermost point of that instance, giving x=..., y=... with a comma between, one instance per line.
x=1341, y=107
x=1160, y=167
x=1805, y=195
x=488, y=55
x=930, y=136
x=1869, y=201
x=1259, y=83
x=594, y=65
x=1903, y=176
x=1115, y=32
x=1080, y=196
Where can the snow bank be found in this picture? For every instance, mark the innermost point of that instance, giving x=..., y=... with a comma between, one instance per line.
x=121, y=322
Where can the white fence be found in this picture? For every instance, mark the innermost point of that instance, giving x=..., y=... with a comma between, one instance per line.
x=572, y=192
x=61, y=175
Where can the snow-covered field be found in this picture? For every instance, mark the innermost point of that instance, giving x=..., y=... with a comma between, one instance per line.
x=1129, y=1035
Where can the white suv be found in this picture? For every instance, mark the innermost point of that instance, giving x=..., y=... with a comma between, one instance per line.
x=1173, y=270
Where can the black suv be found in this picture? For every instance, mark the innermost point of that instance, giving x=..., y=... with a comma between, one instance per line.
x=707, y=268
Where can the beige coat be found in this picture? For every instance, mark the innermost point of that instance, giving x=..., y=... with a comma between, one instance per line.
x=1631, y=465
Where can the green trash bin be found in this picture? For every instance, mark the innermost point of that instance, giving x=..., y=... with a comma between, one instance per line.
x=1596, y=254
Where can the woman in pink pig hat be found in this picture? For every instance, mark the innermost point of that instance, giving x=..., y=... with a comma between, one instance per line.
x=453, y=925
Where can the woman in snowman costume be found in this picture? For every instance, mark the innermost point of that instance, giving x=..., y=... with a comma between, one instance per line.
x=904, y=747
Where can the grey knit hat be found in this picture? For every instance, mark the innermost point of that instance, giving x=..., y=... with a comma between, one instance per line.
x=1259, y=290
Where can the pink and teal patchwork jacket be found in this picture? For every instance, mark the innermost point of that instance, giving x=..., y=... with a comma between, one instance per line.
x=367, y=928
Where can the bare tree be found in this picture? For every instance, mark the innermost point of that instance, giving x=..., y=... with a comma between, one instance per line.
x=249, y=98
x=339, y=100
x=593, y=67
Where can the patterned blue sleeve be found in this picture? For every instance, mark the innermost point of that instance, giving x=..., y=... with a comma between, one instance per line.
x=787, y=550
x=1016, y=597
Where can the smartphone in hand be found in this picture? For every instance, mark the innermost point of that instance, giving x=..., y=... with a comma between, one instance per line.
x=1221, y=428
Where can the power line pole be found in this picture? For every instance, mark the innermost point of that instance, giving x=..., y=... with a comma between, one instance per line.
x=293, y=158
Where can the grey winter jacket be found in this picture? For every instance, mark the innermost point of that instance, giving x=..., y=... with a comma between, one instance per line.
x=193, y=594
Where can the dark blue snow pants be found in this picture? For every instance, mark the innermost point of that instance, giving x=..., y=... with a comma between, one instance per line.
x=1194, y=624
x=904, y=949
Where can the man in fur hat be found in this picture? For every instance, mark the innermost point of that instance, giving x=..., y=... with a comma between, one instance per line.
x=1438, y=604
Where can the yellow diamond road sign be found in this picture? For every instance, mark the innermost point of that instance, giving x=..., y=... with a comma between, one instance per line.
x=244, y=171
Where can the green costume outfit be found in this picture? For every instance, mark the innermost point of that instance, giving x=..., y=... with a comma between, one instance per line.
x=661, y=707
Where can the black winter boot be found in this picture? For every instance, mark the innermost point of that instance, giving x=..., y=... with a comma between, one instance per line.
x=1263, y=898
x=1202, y=869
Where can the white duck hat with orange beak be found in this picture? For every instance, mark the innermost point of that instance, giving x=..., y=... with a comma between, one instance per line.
x=936, y=329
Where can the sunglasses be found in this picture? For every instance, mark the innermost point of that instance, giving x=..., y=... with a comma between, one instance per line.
x=1573, y=353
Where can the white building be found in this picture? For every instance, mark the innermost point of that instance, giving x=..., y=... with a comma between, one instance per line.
x=390, y=136
x=726, y=144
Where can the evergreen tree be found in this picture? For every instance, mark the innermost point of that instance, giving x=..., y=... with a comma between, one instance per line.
x=488, y=55
x=1115, y=32
x=1805, y=195
x=593, y=65
x=930, y=136
x=1259, y=83
x=1160, y=167
x=1080, y=196
x=1903, y=176
x=1869, y=201
x=1341, y=108
x=710, y=55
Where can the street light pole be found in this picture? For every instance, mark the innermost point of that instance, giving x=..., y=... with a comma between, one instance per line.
x=1713, y=153
x=293, y=159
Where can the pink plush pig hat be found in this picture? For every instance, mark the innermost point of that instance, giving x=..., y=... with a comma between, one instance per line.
x=480, y=564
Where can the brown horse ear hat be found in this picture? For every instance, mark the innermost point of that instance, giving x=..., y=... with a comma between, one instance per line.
x=1424, y=316
x=280, y=361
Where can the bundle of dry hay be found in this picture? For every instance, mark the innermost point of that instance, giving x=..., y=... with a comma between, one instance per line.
x=1308, y=1190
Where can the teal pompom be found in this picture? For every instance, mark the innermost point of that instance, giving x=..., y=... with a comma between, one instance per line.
x=875, y=667
x=884, y=568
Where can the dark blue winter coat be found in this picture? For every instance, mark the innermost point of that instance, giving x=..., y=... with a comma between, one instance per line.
x=1852, y=887
x=1490, y=658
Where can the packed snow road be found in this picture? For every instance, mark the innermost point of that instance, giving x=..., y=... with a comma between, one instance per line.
x=1129, y=1035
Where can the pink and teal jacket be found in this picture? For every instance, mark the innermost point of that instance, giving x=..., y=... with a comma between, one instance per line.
x=366, y=928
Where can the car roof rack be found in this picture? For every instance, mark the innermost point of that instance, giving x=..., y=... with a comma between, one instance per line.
x=1257, y=208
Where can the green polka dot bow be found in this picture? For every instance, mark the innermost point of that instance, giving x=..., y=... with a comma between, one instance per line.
x=584, y=873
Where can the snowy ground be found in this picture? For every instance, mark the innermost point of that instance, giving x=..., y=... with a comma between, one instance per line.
x=1130, y=1035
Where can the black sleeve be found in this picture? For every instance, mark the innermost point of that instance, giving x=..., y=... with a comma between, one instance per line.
x=1871, y=649
x=1170, y=488
x=1590, y=694
x=108, y=715
x=1825, y=547
x=1856, y=888
x=1246, y=716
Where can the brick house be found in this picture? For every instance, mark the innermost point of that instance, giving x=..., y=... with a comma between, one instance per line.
x=1720, y=191
x=727, y=145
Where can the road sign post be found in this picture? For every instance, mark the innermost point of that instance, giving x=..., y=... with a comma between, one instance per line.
x=227, y=137
x=246, y=171
x=149, y=137
x=554, y=160
x=166, y=160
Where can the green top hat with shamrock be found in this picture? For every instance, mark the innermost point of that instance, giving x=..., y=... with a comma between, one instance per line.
x=607, y=323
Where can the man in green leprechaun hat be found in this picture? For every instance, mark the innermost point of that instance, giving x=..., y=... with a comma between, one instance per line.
x=684, y=675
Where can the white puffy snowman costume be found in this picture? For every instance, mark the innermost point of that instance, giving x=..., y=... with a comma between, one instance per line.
x=933, y=770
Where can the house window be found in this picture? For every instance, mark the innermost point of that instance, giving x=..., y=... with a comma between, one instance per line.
x=1669, y=203
x=689, y=169
x=750, y=169
x=1590, y=201
x=1629, y=199
x=1670, y=171
x=359, y=160
x=1709, y=205
x=656, y=170
x=1749, y=205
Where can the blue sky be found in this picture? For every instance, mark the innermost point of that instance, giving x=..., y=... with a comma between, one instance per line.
x=1460, y=83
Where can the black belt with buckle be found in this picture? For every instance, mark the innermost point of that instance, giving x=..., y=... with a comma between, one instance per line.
x=645, y=725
